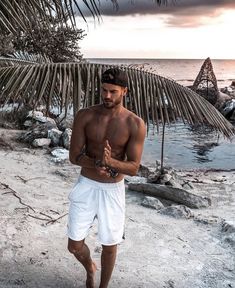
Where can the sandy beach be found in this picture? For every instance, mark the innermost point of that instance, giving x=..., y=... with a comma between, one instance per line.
x=159, y=251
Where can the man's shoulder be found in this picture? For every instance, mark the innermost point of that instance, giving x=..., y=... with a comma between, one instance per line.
x=133, y=118
x=88, y=112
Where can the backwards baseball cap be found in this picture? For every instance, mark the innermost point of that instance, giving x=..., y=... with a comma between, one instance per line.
x=115, y=76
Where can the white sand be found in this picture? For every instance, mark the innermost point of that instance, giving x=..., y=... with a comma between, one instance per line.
x=159, y=251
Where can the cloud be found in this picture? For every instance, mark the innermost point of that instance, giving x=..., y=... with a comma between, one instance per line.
x=182, y=13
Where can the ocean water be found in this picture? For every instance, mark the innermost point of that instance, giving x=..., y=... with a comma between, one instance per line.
x=183, y=71
x=186, y=147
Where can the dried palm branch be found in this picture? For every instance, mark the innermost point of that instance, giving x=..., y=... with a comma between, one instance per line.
x=154, y=98
x=15, y=14
x=23, y=58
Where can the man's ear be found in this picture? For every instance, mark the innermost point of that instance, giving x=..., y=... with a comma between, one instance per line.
x=125, y=91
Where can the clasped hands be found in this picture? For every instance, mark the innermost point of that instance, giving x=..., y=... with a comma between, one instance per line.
x=103, y=166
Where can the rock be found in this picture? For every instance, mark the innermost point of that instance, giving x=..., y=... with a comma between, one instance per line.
x=60, y=155
x=228, y=108
x=178, y=211
x=233, y=83
x=41, y=142
x=55, y=136
x=187, y=185
x=34, y=114
x=170, y=193
x=230, y=90
x=207, y=220
x=39, y=131
x=166, y=178
x=66, y=138
x=65, y=122
x=228, y=229
x=28, y=123
x=222, y=99
x=145, y=171
x=151, y=202
x=135, y=179
x=39, y=117
x=174, y=184
x=232, y=118
x=154, y=178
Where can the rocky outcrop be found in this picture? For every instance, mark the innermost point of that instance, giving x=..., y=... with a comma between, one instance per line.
x=177, y=211
x=176, y=195
x=228, y=109
x=41, y=127
x=151, y=202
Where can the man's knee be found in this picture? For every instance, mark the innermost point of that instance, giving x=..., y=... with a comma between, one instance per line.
x=75, y=247
x=109, y=249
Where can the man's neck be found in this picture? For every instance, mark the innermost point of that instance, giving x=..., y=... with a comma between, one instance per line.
x=112, y=111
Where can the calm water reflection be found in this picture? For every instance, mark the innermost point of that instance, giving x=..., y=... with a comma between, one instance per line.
x=190, y=148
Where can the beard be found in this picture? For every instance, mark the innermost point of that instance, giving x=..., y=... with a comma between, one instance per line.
x=111, y=104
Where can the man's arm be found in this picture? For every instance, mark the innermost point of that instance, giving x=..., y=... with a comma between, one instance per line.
x=78, y=139
x=134, y=151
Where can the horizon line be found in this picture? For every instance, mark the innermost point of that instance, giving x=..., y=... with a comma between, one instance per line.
x=139, y=58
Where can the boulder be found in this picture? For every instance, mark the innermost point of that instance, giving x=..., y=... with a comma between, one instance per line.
x=66, y=138
x=228, y=230
x=34, y=114
x=222, y=99
x=232, y=118
x=28, y=123
x=177, y=211
x=55, y=136
x=39, y=131
x=41, y=142
x=151, y=202
x=228, y=108
x=66, y=122
x=60, y=155
x=38, y=116
x=177, y=195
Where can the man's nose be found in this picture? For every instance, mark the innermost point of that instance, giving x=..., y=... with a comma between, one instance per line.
x=107, y=95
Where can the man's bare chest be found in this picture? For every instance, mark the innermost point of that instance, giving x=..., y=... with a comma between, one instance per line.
x=114, y=130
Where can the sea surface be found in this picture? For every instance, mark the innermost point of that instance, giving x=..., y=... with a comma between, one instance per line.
x=183, y=71
x=186, y=147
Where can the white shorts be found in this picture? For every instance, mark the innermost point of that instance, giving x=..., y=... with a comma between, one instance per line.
x=90, y=199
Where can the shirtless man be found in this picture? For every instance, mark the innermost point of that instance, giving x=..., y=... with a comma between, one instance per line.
x=107, y=142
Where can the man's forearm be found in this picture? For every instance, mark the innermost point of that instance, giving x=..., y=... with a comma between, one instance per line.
x=84, y=161
x=124, y=167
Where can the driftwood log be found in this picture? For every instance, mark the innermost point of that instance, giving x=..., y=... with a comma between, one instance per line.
x=170, y=193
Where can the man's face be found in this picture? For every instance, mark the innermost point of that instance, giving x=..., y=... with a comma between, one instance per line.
x=112, y=95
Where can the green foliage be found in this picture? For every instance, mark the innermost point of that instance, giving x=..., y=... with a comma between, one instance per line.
x=6, y=43
x=59, y=44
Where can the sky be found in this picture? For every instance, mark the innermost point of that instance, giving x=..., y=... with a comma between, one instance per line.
x=184, y=29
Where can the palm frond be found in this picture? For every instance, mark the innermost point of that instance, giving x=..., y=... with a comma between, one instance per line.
x=154, y=98
x=23, y=58
x=16, y=14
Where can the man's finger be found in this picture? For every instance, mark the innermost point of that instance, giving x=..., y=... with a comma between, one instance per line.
x=107, y=145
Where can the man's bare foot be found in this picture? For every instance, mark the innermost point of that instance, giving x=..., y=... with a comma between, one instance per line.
x=90, y=281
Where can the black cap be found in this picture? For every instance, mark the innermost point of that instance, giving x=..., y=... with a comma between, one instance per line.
x=115, y=76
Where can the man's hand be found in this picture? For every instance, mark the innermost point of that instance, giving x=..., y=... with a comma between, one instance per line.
x=101, y=168
x=102, y=171
x=107, y=154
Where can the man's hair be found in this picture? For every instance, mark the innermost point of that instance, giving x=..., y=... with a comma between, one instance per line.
x=115, y=76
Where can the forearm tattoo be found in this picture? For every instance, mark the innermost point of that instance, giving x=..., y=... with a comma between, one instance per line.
x=80, y=155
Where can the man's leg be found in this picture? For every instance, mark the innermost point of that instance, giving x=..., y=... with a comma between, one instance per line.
x=108, y=258
x=82, y=253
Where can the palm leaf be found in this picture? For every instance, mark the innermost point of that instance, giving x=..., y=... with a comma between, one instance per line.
x=154, y=98
x=15, y=14
x=23, y=58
